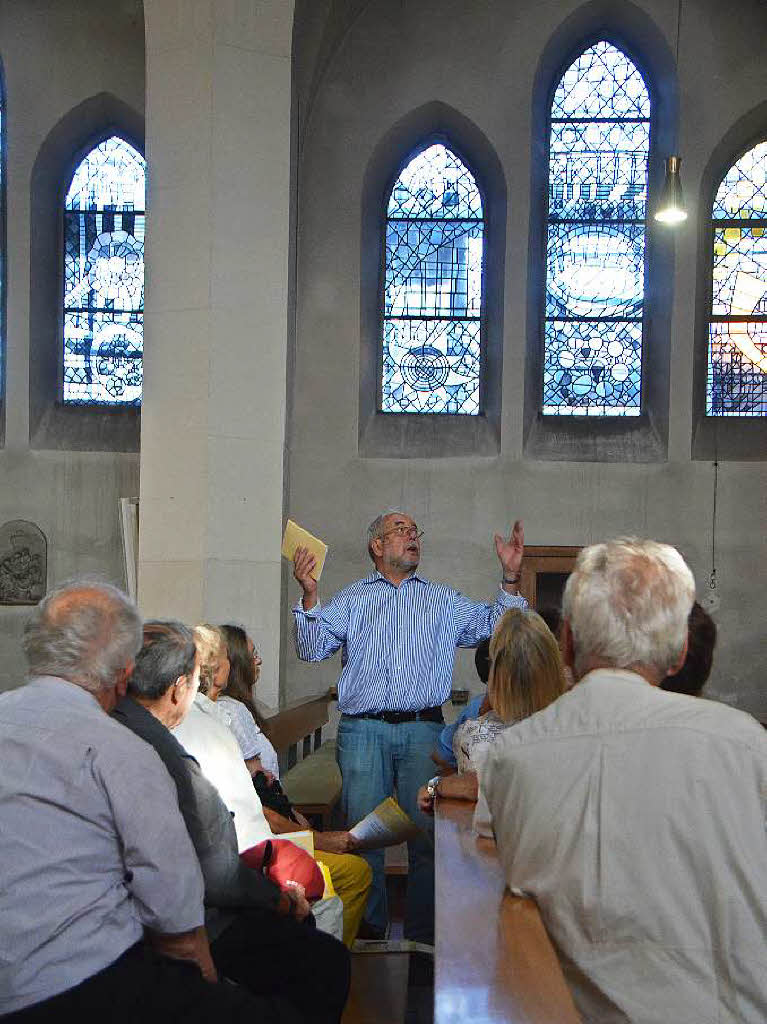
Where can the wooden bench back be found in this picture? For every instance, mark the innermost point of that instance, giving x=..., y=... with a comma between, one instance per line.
x=298, y=725
x=493, y=959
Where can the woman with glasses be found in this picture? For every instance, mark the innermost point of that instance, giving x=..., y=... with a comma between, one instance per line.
x=244, y=668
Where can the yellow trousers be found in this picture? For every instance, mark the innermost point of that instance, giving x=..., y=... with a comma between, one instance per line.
x=351, y=877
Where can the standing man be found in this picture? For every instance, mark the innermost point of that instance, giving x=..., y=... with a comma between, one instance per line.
x=397, y=632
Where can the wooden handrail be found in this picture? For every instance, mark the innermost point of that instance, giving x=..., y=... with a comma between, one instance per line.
x=494, y=961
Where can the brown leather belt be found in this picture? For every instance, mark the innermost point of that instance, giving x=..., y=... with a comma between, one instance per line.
x=398, y=717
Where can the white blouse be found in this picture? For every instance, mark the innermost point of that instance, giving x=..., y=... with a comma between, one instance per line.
x=252, y=741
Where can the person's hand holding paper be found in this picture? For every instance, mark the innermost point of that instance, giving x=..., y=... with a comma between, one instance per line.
x=386, y=825
x=307, y=553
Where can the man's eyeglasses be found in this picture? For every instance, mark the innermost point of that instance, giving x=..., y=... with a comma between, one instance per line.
x=404, y=531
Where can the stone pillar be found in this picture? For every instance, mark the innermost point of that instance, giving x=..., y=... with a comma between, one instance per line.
x=217, y=254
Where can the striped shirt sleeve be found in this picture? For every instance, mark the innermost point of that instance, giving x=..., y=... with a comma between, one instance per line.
x=322, y=630
x=474, y=621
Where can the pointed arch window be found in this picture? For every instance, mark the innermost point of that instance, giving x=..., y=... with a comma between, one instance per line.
x=433, y=302
x=599, y=143
x=736, y=379
x=103, y=321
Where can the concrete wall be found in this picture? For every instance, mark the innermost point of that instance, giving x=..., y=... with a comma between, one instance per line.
x=481, y=59
x=55, y=56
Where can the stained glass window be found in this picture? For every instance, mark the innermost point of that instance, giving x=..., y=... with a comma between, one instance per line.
x=432, y=334
x=598, y=149
x=104, y=277
x=736, y=382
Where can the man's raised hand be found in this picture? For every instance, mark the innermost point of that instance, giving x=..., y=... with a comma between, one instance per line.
x=510, y=551
x=303, y=565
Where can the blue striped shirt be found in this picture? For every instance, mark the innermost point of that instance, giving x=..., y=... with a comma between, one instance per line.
x=397, y=643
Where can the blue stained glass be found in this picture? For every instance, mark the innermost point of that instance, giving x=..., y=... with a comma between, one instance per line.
x=433, y=301
x=737, y=349
x=598, y=151
x=104, y=226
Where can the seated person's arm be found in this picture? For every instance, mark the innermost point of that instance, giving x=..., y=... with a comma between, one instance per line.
x=254, y=766
x=191, y=945
x=454, y=787
x=279, y=823
x=331, y=842
x=445, y=767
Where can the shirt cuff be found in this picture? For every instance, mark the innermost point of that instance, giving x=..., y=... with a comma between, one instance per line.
x=511, y=600
x=313, y=613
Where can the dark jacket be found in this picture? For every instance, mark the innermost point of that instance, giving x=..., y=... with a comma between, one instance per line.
x=228, y=882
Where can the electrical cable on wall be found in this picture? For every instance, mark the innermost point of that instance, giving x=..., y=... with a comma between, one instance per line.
x=711, y=601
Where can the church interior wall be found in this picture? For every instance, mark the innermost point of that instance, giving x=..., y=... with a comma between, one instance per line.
x=55, y=57
x=389, y=60
x=361, y=67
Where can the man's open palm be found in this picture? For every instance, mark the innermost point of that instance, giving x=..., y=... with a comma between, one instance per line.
x=510, y=551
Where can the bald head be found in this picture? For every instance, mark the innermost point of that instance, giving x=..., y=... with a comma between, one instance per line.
x=85, y=632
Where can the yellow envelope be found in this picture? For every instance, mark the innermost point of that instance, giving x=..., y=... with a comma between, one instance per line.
x=296, y=536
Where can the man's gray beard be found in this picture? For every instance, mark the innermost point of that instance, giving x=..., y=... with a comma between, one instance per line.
x=402, y=566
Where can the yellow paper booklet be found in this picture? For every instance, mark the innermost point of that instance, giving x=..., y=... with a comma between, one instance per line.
x=296, y=536
x=386, y=825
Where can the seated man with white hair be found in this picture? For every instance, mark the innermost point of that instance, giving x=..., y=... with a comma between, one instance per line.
x=257, y=935
x=635, y=817
x=95, y=855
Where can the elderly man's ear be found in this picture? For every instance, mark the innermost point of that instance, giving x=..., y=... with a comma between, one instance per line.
x=123, y=678
x=176, y=691
x=677, y=666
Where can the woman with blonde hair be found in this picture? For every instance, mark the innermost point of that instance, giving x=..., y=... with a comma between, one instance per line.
x=526, y=675
x=214, y=661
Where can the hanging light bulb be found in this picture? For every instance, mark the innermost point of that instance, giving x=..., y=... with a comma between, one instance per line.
x=671, y=206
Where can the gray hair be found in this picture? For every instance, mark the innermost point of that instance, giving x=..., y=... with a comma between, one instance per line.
x=376, y=529
x=168, y=652
x=84, y=631
x=627, y=602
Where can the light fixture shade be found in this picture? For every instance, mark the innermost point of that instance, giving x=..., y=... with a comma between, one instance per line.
x=671, y=206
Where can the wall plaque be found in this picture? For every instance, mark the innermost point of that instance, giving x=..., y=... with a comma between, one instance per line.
x=23, y=562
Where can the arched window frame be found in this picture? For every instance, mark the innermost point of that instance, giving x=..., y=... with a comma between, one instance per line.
x=432, y=435
x=642, y=438
x=67, y=214
x=52, y=424
x=721, y=438
x=422, y=147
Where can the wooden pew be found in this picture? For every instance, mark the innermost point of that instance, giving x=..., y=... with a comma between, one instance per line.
x=313, y=782
x=493, y=959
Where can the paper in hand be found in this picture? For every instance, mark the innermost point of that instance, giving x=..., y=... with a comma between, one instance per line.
x=296, y=536
x=386, y=825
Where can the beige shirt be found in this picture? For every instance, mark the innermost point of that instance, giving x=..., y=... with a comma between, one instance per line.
x=636, y=819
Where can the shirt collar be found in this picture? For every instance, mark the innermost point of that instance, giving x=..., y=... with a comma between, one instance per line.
x=71, y=693
x=375, y=576
x=624, y=674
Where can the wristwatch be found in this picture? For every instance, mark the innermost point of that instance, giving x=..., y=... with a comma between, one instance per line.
x=432, y=786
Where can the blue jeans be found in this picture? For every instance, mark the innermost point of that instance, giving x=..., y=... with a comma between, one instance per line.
x=376, y=758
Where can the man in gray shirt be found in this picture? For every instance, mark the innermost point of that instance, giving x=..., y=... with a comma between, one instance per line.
x=94, y=852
